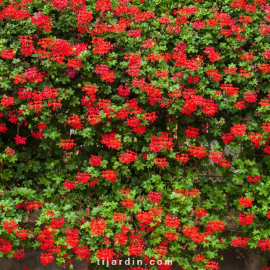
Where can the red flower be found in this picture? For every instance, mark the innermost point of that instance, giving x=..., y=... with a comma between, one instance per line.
x=128, y=203
x=240, y=242
x=59, y=4
x=172, y=222
x=22, y=234
x=67, y=144
x=157, y=143
x=255, y=138
x=216, y=226
x=97, y=226
x=75, y=121
x=229, y=89
x=119, y=217
x=125, y=191
x=105, y=74
x=197, y=151
x=10, y=226
x=101, y=46
x=95, y=160
x=212, y=265
x=105, y=254
x=246, y=202
x=199, y=258
x=46, y=258
x=7, y=101
x=192, y=132
x=172, y=236
x=83, y=178
x=128, y=157
x=19, y=254
x=43, y=21
x=135, y=33
x=238, y=129
x=20, y=140
x=69, y=184
x=256, y=178
x=201, y=212
x=110, y=141
x=109, y=175
x=154, y=197
x=250, y=97
x=227, y=137
x=240, y=105
x=103, y=5
x=245, y=219
x=184, y=158
x=161, y=162
x=5, y=246
x=264, y=244
x=74, y=63
x=7, y=54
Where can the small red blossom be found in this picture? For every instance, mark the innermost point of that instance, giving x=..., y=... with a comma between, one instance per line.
x=245, y=219
x=256, y=178
x=154, y=197
x=128, y=202
x=161, y=162
x=20, y=140
x=201, y=212
x=97, y=226
x=109, y=175
x=67, y=144
x=69, y=184
x=240, y=242
x=128, y=157
x=246, y=202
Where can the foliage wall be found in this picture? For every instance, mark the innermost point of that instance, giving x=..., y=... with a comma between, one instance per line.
x=134, y=128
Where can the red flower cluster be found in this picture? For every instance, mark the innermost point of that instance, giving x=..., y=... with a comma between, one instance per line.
x=245, y=219
x=43, y=21
x=197, y=151
x=95, y=160
x=20, y=140
x=154, y=197
x=163, y=141
x=7, y=54
x=184, y=158
x=201, y=212
x=264, y=244
x=246, y=202
x=227, y=137
x=83, y=178
x=69, y=184
x=212, y=55
x=128, y=203
x=172, y=222
x=256, y=178
x=256, y=139
x=110, y=141
x=67, y=144
x=240, y=242
x=161, y=162
x=199, y=258
x=97, y=226
x=192, y=132
x=75, y=121
x=211, y=265
x=216, y=226
x=128, y=157
x=238, y=129
x=105, y=74
x=109, y=175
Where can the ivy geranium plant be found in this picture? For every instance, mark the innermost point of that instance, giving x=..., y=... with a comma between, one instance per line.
x=134, y=128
